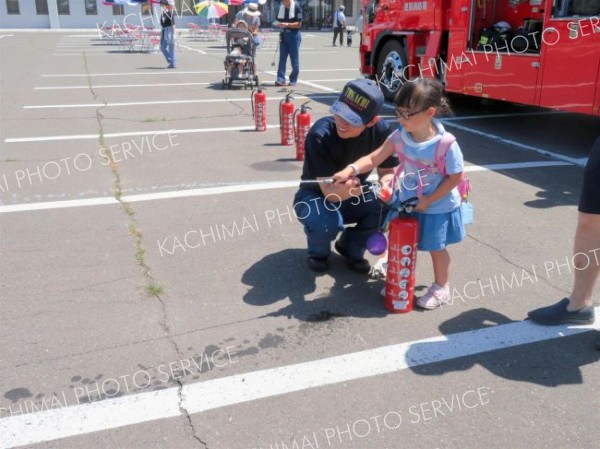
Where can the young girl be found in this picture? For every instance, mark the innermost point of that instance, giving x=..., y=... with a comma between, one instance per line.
x=438, y=208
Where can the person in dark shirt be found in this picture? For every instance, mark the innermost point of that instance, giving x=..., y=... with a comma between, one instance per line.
x=331, y=144
x=578, y=307
x=289, y=20
x=167, y=35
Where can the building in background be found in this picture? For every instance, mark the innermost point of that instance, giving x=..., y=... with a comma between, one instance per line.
x=91, y=13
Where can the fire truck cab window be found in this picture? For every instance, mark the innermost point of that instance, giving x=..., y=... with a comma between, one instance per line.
x=371, y=10
x=576, y=8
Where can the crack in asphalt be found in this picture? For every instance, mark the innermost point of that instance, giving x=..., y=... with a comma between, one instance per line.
x=510, y=262
x=152, y=287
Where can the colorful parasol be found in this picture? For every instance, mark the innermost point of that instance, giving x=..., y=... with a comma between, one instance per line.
x=123, y=2
x=211, y=9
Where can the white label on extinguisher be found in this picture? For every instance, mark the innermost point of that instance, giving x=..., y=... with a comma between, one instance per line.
x=405, y=272
x=405, y=261
x=289, y=137
x=404, y=295
x=406, y=249
x=260, y=115
x=400, y=305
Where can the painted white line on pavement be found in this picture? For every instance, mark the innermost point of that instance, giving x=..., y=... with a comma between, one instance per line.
x=307, y=83
x=136, y=133
x=79, y=54
x=330, y=80
x=84, y=47
x=145, y=103
x=165, y=72
x=109, y=86
x=200, y=397
x=514, y=114
x=158, y=72
x=202, y=52
x=353, y=69
x=6, y=35
x=236, y=188
x=575, y=161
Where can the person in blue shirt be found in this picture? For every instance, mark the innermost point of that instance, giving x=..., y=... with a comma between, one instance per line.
x=289, y=21
x=438, y=208
x=167, y=35
x=325, y=210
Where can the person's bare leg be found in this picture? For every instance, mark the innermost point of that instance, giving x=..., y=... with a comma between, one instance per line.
x=587, y=257
x=441, y=266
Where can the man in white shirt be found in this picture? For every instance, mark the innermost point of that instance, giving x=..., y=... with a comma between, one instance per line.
x=339, y=25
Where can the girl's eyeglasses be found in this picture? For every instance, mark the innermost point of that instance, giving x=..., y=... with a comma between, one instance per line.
x=406, y=115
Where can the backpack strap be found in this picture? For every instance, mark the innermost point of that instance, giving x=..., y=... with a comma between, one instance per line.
x=398, y=143
x=441, y=150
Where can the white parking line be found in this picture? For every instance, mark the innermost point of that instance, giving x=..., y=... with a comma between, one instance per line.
x=200, y=397
x=307, y=83
x=248, y=128
x=86, y=48
x=330, y=80
x=202, y=52
x=146, y=103
x=167, y=72
x=6, y=35
x=237, y=188
x=133, y=133
x=576, y=161
x=87, y=54
x=157, y=72
x=116, y=86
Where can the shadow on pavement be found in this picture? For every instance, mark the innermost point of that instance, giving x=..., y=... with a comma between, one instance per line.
x=284, y=276
x=549, y=363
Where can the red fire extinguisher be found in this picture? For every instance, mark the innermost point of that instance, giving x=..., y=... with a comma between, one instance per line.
x=258, y=98
x=402, y=260
x=286, y=120
x=302, y=120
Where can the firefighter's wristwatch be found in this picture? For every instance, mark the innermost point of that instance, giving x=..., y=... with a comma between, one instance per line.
x=355, y=168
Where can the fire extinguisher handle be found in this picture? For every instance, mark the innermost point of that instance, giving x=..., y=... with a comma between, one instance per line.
x=408, y=205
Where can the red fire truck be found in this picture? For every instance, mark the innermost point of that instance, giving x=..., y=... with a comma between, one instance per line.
x=537, y=52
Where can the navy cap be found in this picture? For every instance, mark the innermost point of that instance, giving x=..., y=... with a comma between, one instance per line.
x=360, y=102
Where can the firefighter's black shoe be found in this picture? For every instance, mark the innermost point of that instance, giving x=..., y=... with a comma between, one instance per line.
x=558, y=314
x=317, y=265
x=360, y=266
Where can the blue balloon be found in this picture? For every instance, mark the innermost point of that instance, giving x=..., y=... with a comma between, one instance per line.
x=377, y=243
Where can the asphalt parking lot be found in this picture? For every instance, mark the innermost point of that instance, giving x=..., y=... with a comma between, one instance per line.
x=154, y=288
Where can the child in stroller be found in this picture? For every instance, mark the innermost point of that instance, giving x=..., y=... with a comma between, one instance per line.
x=239, y=62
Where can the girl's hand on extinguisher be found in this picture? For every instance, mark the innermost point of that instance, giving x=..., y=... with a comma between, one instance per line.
x=423, y=204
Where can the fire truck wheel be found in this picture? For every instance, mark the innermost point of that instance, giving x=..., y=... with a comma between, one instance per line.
x=390, y=68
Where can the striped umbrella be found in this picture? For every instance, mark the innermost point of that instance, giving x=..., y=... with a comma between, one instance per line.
x=211, y=9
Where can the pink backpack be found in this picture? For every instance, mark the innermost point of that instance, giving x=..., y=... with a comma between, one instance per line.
x=441, y=150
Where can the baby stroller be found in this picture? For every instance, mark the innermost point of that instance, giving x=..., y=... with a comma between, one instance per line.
x=240, y=66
